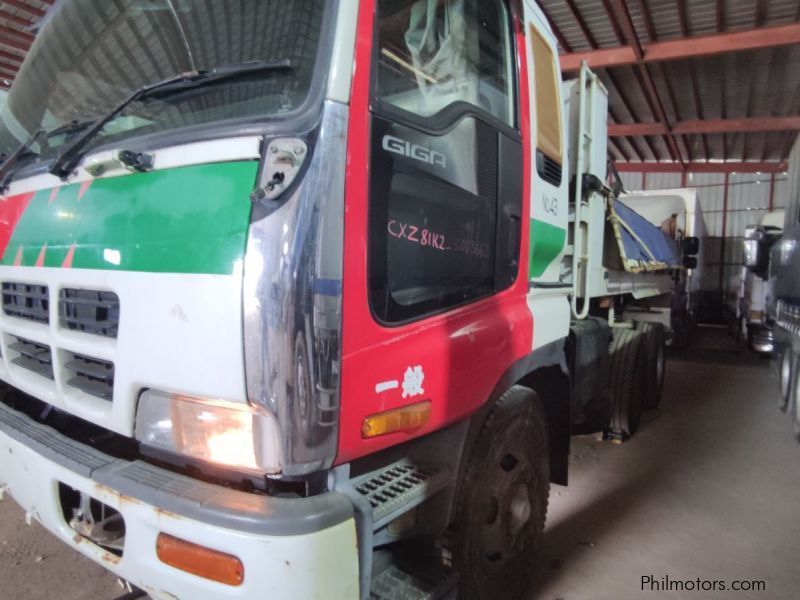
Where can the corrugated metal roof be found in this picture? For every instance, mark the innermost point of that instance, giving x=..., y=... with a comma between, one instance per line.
x=17, y=21
x=754, y=83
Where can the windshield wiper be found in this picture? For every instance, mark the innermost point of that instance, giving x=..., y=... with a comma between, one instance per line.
x=70, y=127
x=7, y=167
x=9, y=162
x=69, y=159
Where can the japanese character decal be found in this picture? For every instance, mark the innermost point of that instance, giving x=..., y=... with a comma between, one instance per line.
x=412, y=382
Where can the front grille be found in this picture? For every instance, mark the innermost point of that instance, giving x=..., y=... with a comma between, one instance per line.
x=26, y=301
x=91, y=375
x=788, y=315
x=89, y=311
x=32, y=356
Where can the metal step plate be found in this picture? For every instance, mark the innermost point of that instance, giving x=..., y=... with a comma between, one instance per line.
x=429, y=583
x=398, y=488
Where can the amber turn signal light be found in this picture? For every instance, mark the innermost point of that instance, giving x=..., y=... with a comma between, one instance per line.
x=405, y=418
x=199, y=560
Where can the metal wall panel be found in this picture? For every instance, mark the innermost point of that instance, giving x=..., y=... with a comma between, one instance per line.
x=793, y=191
x=631, y=181
x=661, y=181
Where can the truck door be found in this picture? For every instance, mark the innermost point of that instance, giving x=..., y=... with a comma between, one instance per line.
x=444, y=209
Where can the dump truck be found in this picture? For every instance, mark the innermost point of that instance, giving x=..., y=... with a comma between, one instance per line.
x=678, y=213
x=304, y=299
x=753, y=323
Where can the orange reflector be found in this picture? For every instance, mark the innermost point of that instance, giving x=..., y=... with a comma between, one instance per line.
x=199, y=560
x=406, y=418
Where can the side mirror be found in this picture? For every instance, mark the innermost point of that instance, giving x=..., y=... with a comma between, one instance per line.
x=690, y=246
x=756, y=256
x=690, y=262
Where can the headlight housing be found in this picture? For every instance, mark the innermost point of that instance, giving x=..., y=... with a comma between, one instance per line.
x=228, y=434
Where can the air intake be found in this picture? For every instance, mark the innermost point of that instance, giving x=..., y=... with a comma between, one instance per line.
x=26, y=301
x=89, y=311
x=91, y=375
x=32, y=356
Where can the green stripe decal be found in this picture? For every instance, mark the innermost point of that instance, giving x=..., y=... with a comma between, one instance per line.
x=547, y=241
x=183, y=220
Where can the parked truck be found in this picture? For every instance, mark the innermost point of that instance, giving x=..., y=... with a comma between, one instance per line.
x=782, y=259
x=303, y=299
x=753, y=322
x=678, y=213
x=785, y=314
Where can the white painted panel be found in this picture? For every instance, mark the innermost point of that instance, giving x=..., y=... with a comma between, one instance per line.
x=178, y=333
x=317, y=565
x=196, y=153
x=551, y=315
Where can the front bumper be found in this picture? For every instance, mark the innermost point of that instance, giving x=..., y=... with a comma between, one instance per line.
x=290, y=548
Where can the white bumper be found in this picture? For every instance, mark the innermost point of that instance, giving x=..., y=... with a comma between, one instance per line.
x=299, y=548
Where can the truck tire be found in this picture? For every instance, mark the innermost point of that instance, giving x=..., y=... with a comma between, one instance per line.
x=785, y=373
x=500, y=510
x=627, y=375
x=654, y=341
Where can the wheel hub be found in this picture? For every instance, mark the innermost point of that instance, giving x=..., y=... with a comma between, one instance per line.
x=507, y=511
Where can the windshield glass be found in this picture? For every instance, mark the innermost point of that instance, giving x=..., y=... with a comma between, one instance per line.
x=92, y=54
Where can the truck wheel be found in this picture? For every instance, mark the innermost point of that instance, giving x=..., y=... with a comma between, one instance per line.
x=627, y=382
x=655, y=363
x=502, y=501
x=785, y=379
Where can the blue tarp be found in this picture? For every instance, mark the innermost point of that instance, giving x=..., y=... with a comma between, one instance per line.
x=643, y=246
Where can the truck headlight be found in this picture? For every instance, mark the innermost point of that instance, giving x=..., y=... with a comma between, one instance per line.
x=224, y=433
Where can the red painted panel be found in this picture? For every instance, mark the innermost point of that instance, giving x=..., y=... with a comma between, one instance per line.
x=462, y=353
x=11, y=210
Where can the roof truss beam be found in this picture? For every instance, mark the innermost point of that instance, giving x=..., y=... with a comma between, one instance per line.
x=702, y=167
x=744, y=125
x=690, y=47
x=31, y=10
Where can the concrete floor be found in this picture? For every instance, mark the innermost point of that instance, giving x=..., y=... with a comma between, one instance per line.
x=709, y=489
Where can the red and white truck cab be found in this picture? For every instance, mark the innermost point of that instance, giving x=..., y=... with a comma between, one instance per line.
x=298, y=301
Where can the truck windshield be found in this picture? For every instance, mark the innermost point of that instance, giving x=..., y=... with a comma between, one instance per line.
x=92, y=54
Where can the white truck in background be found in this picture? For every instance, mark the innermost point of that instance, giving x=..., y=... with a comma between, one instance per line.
x=753, y=323
x=677, y=212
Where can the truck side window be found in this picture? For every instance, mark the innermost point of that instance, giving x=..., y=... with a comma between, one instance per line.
x=444, y=157
x=549, y=148
x=436, y=53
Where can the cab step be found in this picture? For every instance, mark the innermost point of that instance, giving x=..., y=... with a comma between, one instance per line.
x=399, y=487
x=432, y=582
